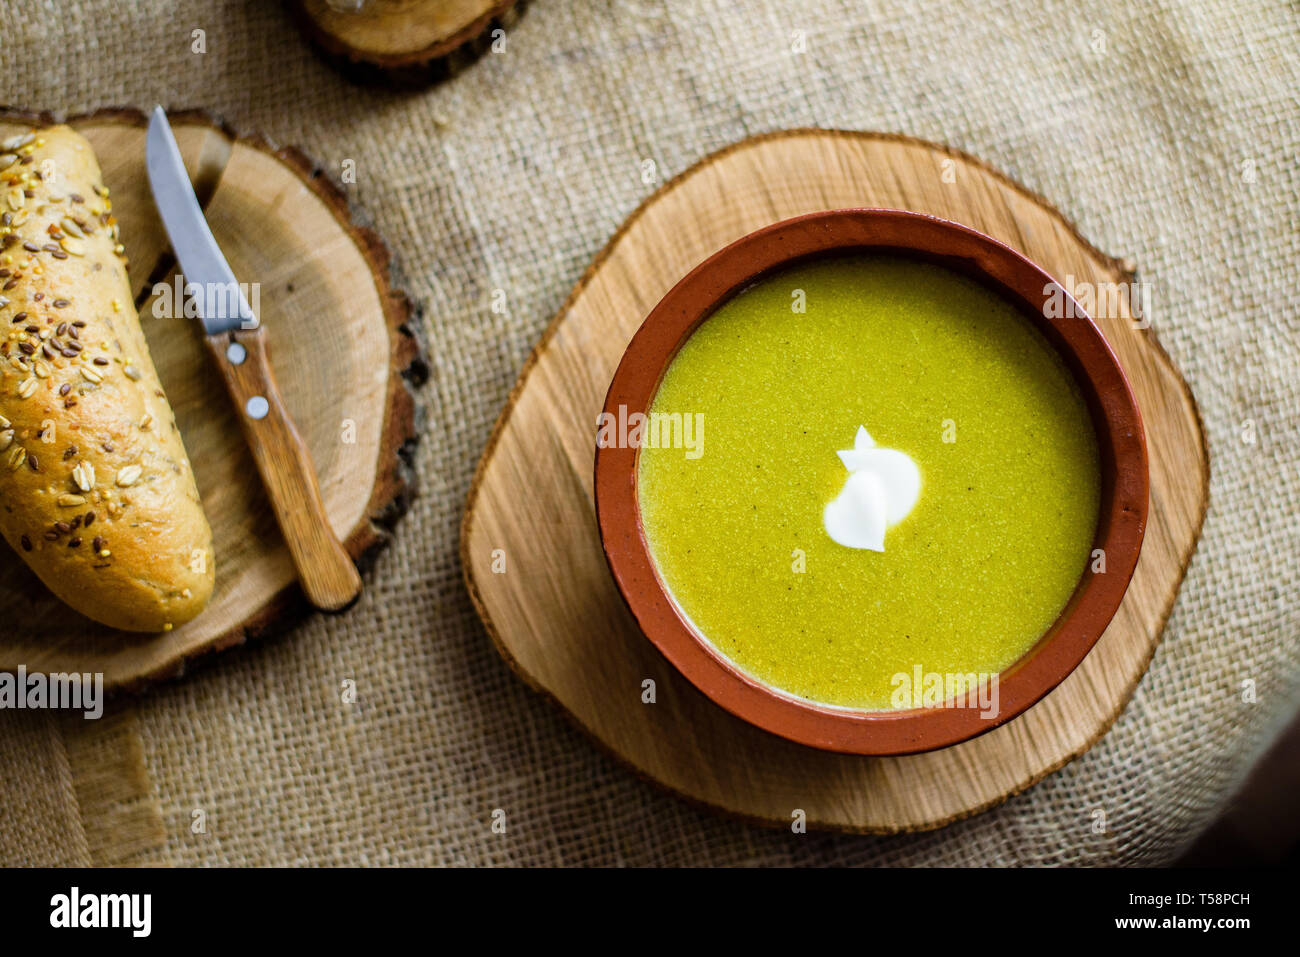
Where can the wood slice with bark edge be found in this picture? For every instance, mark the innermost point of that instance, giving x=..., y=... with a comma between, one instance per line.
x=406, y=42
x=557, y=618
x=318, y=267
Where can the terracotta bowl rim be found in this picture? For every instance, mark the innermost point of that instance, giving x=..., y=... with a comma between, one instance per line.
x=1112, y=407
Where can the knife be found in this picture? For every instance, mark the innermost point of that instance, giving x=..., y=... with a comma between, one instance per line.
x=233, y=335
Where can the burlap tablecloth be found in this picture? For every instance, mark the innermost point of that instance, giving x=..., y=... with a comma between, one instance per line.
x=1168, y=131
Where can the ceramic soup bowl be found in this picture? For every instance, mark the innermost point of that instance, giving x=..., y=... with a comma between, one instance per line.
x=918, y=488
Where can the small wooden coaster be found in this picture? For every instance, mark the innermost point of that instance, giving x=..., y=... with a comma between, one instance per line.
x=407, y=41
x=532, y=553
x=345, y=356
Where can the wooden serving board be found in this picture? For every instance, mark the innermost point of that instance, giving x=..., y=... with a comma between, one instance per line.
x=342, y=350
x=532, y=554
x=404, y=40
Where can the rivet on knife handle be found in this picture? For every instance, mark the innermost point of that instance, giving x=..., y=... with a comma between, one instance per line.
x=328, y=576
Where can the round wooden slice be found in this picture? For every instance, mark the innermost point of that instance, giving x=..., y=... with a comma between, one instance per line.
x=406, y=40
x=532, y=553
x=345, y=355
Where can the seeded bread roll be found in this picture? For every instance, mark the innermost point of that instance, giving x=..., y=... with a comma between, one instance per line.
x=96, y=492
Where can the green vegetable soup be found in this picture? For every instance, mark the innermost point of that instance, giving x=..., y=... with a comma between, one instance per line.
x=933, y=365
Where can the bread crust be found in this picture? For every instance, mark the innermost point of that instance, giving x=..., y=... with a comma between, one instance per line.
x=97, y=493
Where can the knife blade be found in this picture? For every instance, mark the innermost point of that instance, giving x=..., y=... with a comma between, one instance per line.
x=192, y=241
x=235, y=339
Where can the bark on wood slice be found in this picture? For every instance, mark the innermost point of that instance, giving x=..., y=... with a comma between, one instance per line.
x=345, y=355
x=549, y=602
x=407, y=41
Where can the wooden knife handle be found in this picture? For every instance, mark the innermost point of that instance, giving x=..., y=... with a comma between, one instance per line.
x=328, y=576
